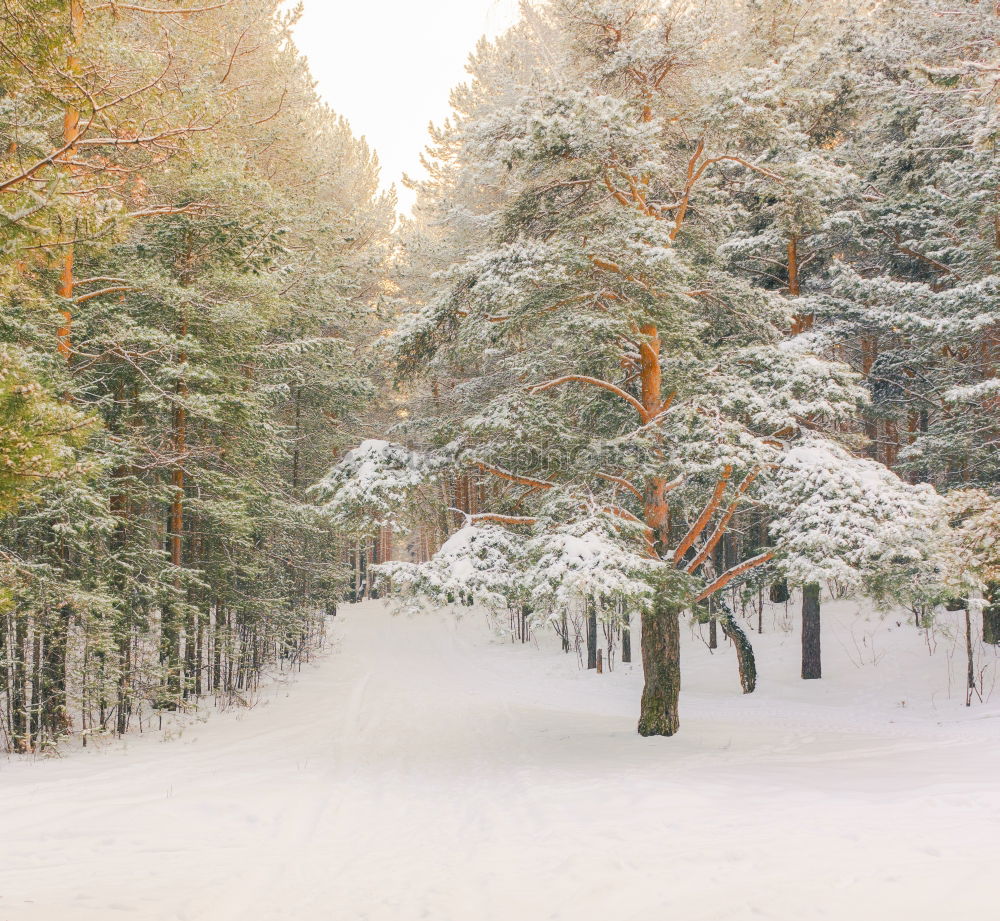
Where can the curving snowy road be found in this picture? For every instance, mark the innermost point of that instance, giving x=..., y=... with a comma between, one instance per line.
x=424, y=770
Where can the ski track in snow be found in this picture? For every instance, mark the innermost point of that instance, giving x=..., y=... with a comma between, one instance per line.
x=424, y=769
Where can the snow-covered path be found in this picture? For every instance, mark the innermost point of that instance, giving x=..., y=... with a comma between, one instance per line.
x=424, y=770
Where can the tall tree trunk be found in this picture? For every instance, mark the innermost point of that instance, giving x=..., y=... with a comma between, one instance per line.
x=657, y=512
x=17, y=640
x=869, y=354
x=970, y=679
x=591, y=609
x=626, y=640
x=172, y=623
x=124, y=710
x=811, y=661
x=53, y=711
x=661, y=664
x=65, y=290
x=71, y=131
x=802, y=322
x=798, y=321
x=660, y=641
x=296, y=451
x=715, y=605
x=356, y=560
x=371, y=547
x=177, y=476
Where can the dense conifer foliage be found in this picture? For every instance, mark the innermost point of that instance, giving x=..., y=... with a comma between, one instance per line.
x=192, y=251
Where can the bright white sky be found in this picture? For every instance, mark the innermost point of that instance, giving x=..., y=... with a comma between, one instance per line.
x=388, y=66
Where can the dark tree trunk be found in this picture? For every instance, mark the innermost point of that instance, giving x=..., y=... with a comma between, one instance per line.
x=714, y=606
x=124, y=681
x=991, y=615
x=661, y=664
x=745, y=660
x=564, y=625
x=970, y=683
x=779, y=592
x=811, y=661
x=591, y=634
x=626, y=641
x=20, y=723
x=54, y=718
x=171, y=632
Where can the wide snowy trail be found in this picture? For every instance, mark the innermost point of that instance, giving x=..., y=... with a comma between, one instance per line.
x=424, y=770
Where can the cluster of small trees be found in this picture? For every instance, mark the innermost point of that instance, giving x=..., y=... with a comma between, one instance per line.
x=677, y=269
x=191, y=256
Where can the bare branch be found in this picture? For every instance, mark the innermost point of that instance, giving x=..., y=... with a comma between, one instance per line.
x=720, y=528
x=621, y=481
x=193, y=208
x=731, y=574
x=706, y=515
x=83, y=298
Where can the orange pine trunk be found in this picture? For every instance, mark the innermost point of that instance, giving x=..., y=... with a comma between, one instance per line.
x=651, y=380
x=71, y=131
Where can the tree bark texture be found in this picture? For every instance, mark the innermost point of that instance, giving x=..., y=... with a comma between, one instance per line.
x=661, y=662
x=591, y=634
x=811, y=660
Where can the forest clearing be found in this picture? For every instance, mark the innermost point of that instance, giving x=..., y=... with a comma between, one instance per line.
x=425, y=768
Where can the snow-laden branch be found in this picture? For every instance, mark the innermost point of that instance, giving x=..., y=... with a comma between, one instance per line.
x=115, y=7
x=373, y=485
x=515, y=477
x=846, y=519
x=594, y=382
x=503, y=519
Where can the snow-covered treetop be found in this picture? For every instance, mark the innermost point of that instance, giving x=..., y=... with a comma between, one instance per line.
x=372, y=485
x=565, y=122
x=846, y=519
x=486, y=563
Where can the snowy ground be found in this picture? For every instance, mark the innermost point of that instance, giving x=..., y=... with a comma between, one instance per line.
x=425, y=770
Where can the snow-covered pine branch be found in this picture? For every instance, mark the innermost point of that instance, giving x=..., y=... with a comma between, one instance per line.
x=373, y=485
x=848, y=520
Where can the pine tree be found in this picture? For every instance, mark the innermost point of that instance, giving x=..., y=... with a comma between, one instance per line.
x=612, y=363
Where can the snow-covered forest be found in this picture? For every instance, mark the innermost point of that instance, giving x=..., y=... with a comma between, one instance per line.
x=684, y=362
